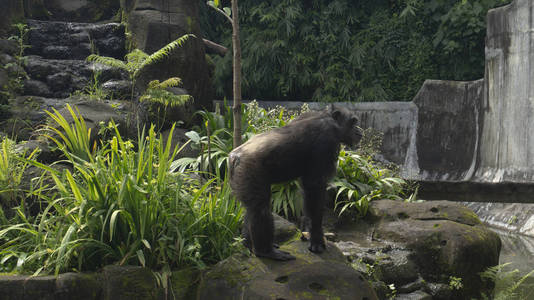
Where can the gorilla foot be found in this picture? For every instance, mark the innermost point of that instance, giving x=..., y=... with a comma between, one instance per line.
x=275, y=254
x=317, y=248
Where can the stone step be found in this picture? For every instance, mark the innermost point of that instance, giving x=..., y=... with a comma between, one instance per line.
x=68, y=40
x=59, y=78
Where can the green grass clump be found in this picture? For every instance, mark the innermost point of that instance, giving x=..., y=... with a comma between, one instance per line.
x=120, y=203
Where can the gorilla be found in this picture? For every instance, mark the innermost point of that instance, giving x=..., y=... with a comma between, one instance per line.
x=307, y=148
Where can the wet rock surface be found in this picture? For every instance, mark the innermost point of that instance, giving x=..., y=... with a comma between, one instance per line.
x=419, y=247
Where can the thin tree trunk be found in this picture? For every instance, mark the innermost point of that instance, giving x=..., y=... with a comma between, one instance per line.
x=237, y=74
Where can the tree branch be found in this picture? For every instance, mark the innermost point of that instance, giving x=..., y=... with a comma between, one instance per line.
x=220, y=11
x=212, y=47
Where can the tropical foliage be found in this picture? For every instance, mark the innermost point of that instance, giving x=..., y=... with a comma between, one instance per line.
x=509, y=284
x=119, y=202
x=137, y=60
x=351, y=50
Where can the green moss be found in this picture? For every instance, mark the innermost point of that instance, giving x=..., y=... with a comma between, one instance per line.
x=189, y=21
x=183, y=283
x=304, y=295
x=471, y=217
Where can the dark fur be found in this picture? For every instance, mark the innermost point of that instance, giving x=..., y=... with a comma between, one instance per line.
x=306, y=148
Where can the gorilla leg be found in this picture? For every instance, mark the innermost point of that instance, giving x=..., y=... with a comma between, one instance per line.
x=261, y=231
x=245, y=232
x=314, y=195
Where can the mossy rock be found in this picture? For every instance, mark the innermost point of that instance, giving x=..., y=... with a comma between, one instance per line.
x=310, y=276
x=446, y=239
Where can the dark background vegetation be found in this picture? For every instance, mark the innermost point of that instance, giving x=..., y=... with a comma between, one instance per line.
x=350, y=50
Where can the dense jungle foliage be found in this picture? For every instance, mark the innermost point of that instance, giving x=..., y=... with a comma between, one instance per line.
x=350, y=50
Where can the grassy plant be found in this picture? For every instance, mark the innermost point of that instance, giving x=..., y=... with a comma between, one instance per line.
x=287, y=199
x=122, y=205
x=72, y=139
x=12, y=167
x=93, y=89
x=359, y=181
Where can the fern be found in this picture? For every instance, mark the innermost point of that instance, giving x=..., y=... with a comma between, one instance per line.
x=163, y=52
x=164, y=97
x=507, y=283
x=171, y=82
x=137, y=60
x=108, y=61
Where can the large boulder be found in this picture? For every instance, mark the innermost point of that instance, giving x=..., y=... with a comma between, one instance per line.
x=156, y=23
x=423, y=246
x=325, y=276
x=310, y=276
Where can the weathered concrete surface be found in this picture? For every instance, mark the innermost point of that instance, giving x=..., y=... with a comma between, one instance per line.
x=507, y=144
x=447, y=131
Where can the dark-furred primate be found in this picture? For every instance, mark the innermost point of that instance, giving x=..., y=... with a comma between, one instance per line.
x=307, y=148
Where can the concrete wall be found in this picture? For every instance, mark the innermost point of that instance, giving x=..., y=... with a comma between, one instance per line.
x=507, y=143
x=447, y=129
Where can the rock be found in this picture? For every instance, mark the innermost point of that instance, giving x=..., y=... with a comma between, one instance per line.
x=6, y=59
x=128, y=283
x=96, y=112
x=37, y=88
x=166, y=115
x=84, y=286
x=284, y=230
x=506, y=141
x=27, y=113
x=184, y=283
x=446, y=239
x=75, y=41
x=113, y=283
x=8, y=47
x=314, y=276
x=63, y=77
x=309, y=276
x=417, y=295
x=118, y=89
x=152, y=29
x=59, y=82
x=43, y=154
x=431, y=210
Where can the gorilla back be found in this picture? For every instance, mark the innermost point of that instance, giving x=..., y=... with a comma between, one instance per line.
x=307, y=148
